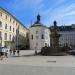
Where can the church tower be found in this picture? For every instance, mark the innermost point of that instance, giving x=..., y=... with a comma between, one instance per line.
x=39, y=35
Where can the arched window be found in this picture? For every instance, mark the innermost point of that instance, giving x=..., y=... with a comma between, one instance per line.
x=0, y=24
x=32, y=37
x=5, y=26
x=13, y=29
x=5, y=36
x=13, y=39
x=10, y=28
x=42, y=37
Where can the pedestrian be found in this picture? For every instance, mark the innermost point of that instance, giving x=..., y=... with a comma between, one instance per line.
x=6, y=53
x=14, y=52
x=18, y=52
x=35, y=51
x=10, y=51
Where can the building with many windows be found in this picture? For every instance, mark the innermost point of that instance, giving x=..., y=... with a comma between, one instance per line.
x=67, y=35
x=12, y=32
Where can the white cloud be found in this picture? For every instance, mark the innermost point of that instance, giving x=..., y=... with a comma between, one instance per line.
x=70, y=13
x=18, y=5
x=58, y=13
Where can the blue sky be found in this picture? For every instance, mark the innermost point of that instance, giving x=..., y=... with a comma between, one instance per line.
x=63, y=11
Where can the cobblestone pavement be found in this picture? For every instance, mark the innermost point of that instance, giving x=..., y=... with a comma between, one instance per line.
x=35, y=70
x=28, y=64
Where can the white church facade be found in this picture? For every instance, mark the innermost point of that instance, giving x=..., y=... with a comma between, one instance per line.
x=39, y=35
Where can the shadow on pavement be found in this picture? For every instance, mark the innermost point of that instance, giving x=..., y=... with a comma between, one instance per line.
x=27, y=55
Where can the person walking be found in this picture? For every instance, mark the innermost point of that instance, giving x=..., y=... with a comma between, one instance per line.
x=10, y=51
x=18, y=52
x=35, y=51
x=14, y=52
x=6, y=53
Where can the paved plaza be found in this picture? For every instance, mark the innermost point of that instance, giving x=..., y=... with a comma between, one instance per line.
x=28, y=64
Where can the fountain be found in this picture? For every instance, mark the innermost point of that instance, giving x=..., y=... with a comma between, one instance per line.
x=54, y=48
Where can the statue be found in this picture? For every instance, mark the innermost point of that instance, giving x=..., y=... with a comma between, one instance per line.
x=54, y=48
x=54, y=36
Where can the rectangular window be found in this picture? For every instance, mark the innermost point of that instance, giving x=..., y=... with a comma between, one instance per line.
x=13, y=39
x=0, y=24
x=17, y=31
x=42, y=37
x=5, y=26
x=5, y=36
x=10, y=19
x=10, y=37
x=10, y=28
x=32, y=37
x=6, y=16
x=13, y=29
x=0, y=34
